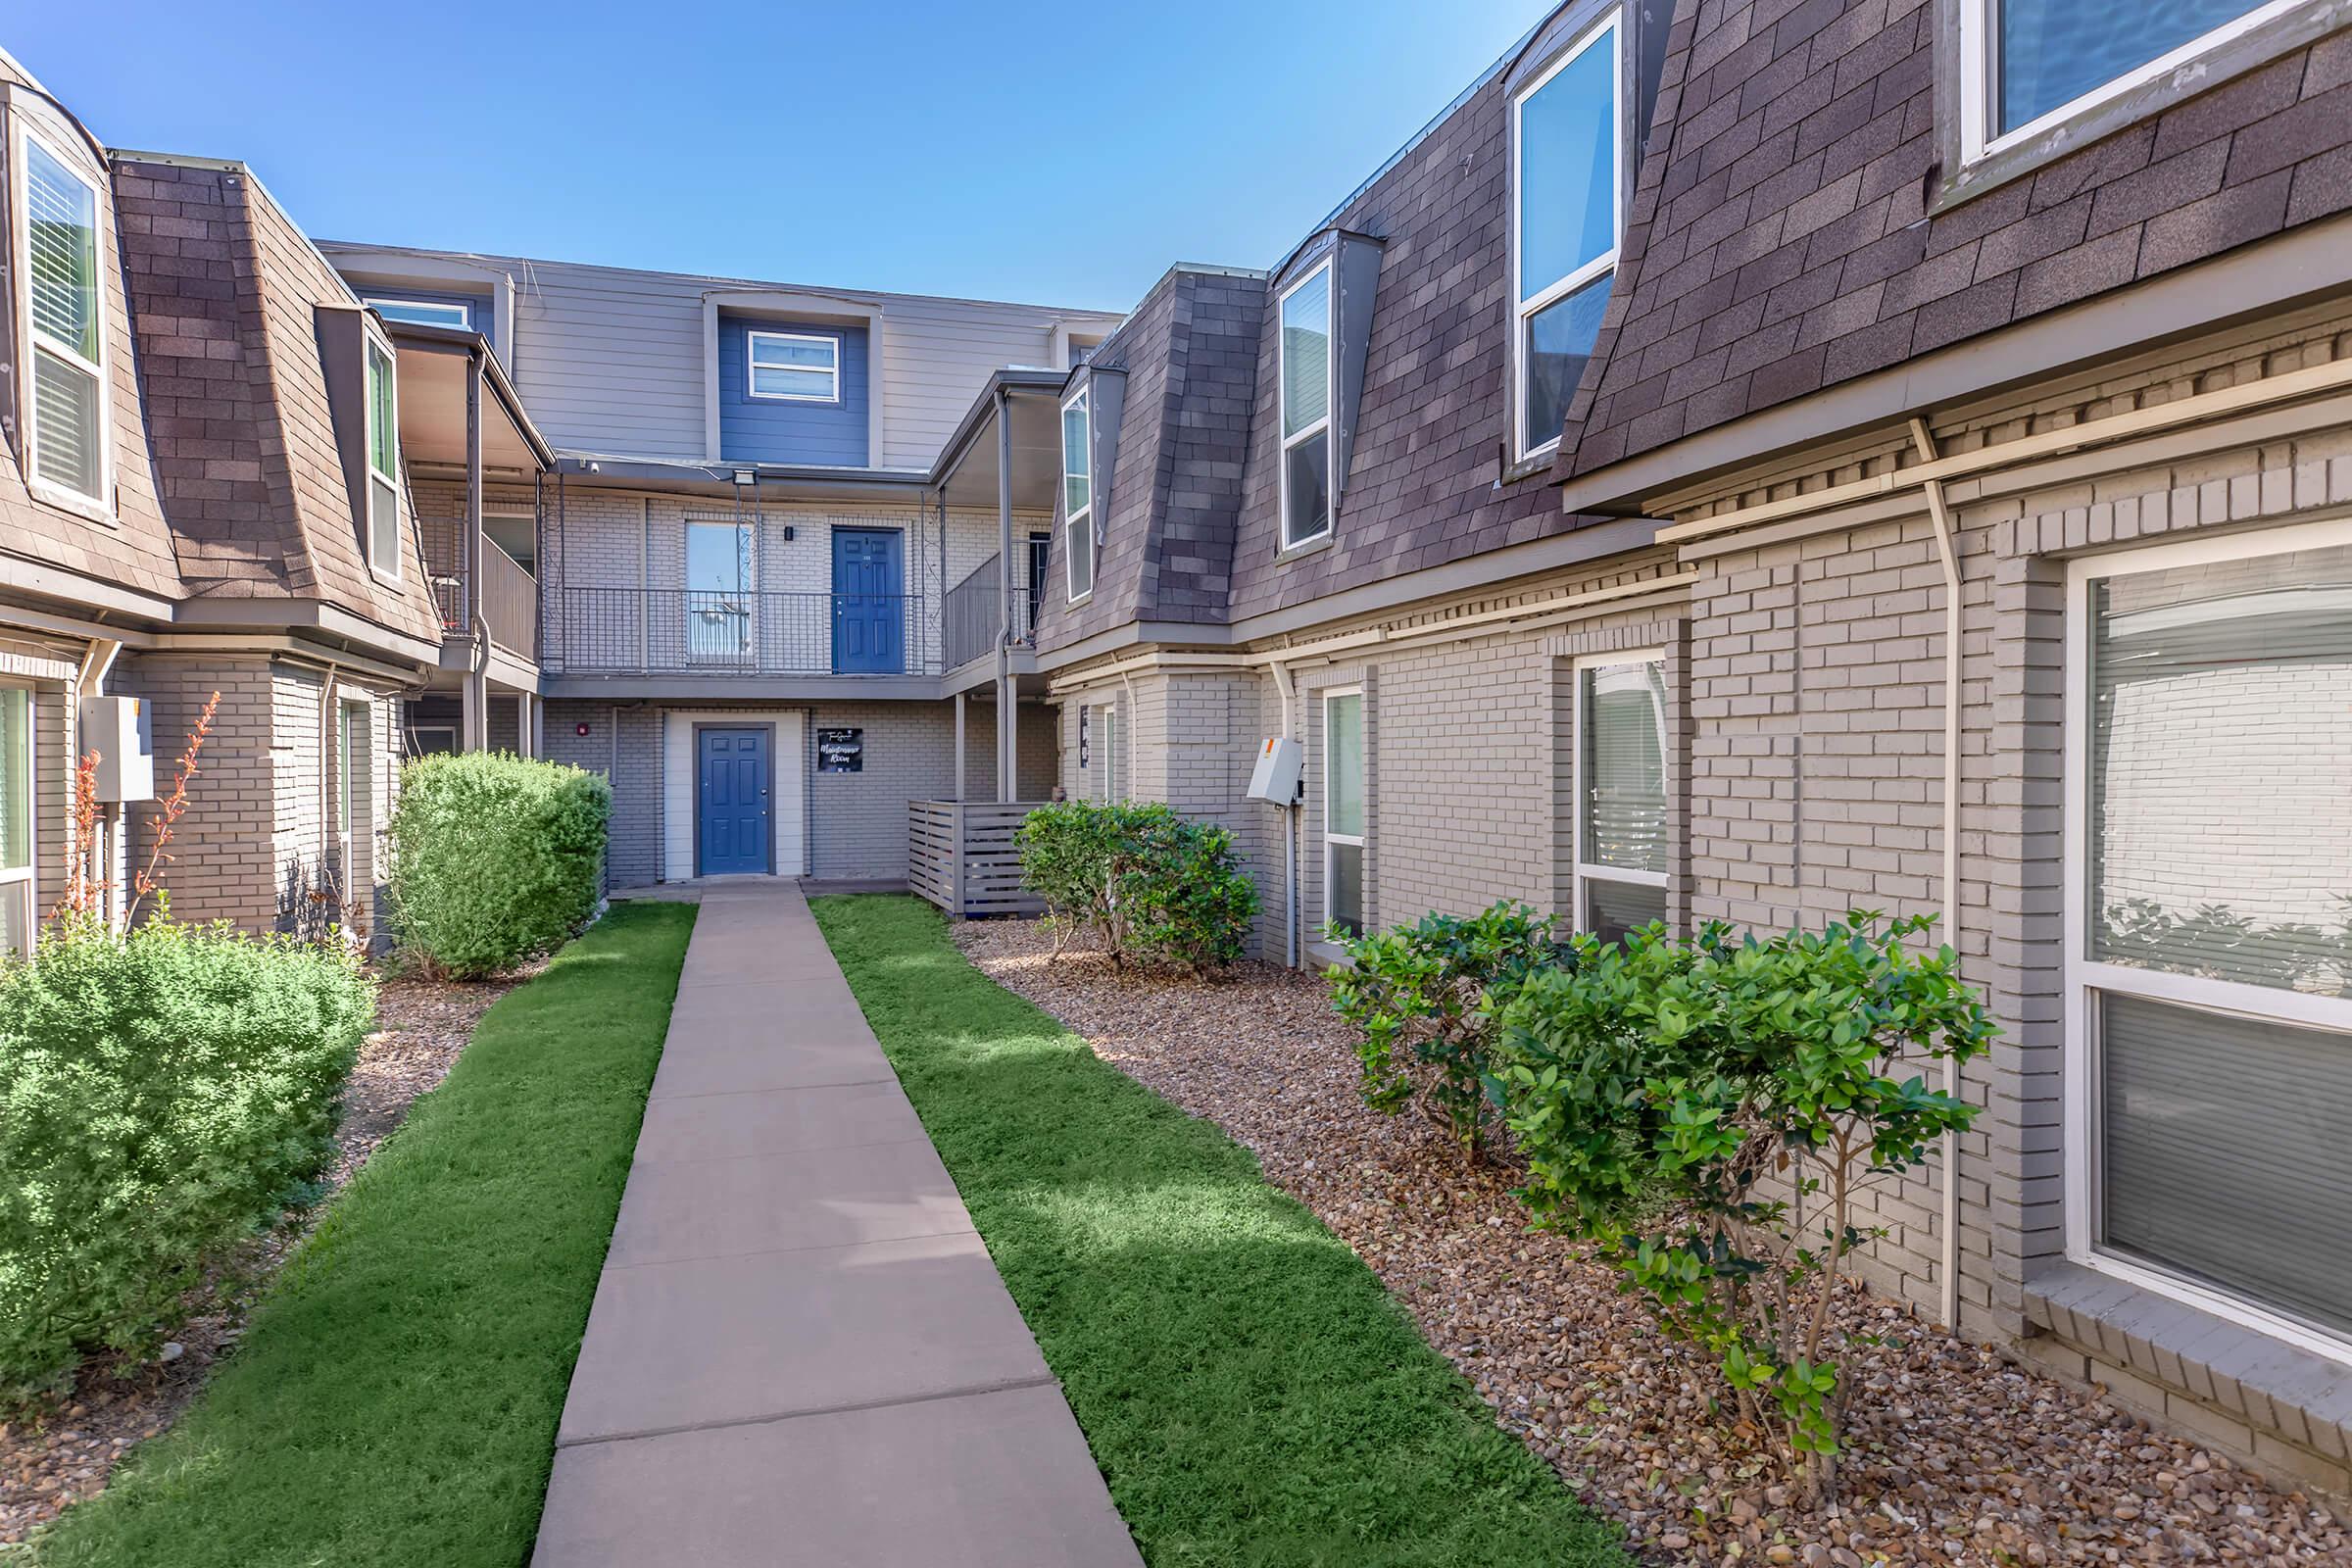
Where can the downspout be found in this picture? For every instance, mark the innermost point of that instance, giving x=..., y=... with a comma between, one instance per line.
x=1939, y=512
x=1290, y=832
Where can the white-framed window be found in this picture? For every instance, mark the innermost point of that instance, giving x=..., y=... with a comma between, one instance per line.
x=383, y=459
x=2208, y=945
x=18, y=920
x=1078, y=493
x=351, y=779
x=1107, y=783
x=425, y=313
x=1306, y=404
x=1620, y=788
x=793, y=367
x=1346, y=811
x=1567, y=212
x=66, y=418
x=719, y=593
x=2027, y=66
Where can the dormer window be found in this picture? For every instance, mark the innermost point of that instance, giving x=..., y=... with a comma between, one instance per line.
x=383, y=460
x=66, y=414
x=795, y=367
x=1566, y=220
x=1306, y=399
x=2029, y=65
x=425, y=312
x=1078, y=493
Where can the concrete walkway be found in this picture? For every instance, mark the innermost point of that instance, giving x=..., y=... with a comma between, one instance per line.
x=799, y=1352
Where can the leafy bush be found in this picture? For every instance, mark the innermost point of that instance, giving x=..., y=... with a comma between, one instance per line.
x=1147, y=882
x=1758, y=1081
x=496, y=859
x=1423, y=999
x=166, y=1093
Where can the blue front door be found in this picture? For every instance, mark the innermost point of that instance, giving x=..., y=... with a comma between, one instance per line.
x=731, y=800
x=868, y=602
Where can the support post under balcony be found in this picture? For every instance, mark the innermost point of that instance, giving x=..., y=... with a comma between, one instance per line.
x=1004, y=697
x=475, y=699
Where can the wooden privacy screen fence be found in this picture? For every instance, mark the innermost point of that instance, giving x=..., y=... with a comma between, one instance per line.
x=962, y=857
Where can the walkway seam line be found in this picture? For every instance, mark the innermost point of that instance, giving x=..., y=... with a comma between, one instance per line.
x=782, y=1251
x=1009, y=1386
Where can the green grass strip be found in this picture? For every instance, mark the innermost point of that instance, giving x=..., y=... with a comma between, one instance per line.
x=396, y=1398
x=1248, y=1390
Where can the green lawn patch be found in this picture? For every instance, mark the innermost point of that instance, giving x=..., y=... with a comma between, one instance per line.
x=396, y=1398
x=1251, y=1393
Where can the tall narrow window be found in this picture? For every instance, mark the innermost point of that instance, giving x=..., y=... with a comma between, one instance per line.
x=1344, y=814
x=1306, y=368
x=16, y=821
x=795, y=367
x=1621, y=795
x=1078, y=493
x=68, y=378
x=1565, y=221
x=383, y=462
x=1107, y=753
x=719, y=593
x=2210, y=952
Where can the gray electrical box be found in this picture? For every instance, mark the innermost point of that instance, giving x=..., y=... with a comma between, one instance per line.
x=122, y=731
x=1277, y=774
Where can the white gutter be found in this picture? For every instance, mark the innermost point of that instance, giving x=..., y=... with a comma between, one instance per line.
x=1948, y=1274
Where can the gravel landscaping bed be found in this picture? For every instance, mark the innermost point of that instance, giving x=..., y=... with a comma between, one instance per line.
x=48, y=1463
x=1956, y=1456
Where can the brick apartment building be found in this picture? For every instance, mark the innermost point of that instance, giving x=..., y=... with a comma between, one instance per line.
x=1743, y=460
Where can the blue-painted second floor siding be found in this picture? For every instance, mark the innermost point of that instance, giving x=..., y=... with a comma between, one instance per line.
x=752, y=429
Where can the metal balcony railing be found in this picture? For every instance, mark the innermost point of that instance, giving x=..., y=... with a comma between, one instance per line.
x=970, y=620
x=634, y=631
x=509, y=596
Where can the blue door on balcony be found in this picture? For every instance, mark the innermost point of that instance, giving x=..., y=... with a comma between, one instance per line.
x=731, y=794
x=868, y=602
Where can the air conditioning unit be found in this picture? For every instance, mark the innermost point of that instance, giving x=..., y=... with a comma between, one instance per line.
x=1278, y=771
x=122, y=731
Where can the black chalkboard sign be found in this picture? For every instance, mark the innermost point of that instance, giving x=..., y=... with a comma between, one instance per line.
x=841, y=751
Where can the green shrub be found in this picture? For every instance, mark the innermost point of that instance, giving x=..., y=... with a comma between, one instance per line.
x=161, y=1096
x=1423, y=999
x=496, y=859
x=1148, y=883
x=1757, y=1082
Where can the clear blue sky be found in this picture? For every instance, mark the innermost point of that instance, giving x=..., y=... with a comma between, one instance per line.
x=1054, y=151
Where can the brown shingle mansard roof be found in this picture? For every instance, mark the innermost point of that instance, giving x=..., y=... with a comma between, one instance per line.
x=224, y=294
x=1779, y=242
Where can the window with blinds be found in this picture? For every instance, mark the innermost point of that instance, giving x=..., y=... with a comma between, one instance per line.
x=61, y=250
x=2213, y=991
x=383, y=462
x=1306, y=409
x=16, y=821
x=1621, y=795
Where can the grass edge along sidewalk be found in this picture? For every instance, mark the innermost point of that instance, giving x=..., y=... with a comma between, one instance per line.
x=1249, y=1390
x=396, y=1397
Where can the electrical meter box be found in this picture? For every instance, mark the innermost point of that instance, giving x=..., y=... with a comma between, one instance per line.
x=122, y=731
x=1275, y=776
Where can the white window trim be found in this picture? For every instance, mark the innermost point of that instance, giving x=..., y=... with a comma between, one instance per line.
x=1584, y=870
x=1978, y=39
x=465, y=310
x=1084, y=514
x=1331, y=401
x=751, y=365
x=373, y=342
x=101, y=508
x=1106, y=751
x=1357, y=840
x=1524, y=311
x=2085, y=978
x=27, y=875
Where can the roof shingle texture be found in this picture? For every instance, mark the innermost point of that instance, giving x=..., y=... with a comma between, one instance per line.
x=1779, y=240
